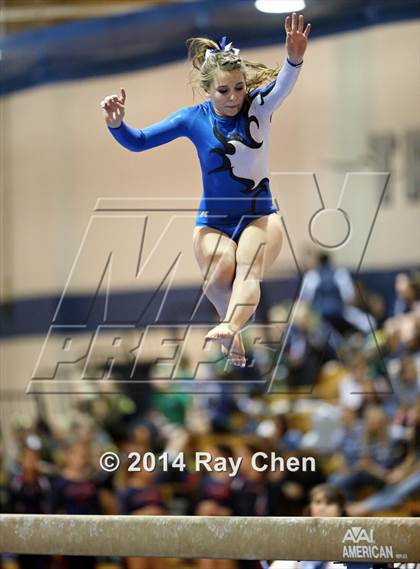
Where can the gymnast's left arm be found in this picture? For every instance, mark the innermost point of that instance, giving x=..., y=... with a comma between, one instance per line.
x=296, y=43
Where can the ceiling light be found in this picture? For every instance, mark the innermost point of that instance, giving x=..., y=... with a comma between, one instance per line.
x=279, y=6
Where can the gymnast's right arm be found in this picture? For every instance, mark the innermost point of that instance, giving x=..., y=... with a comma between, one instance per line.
x=135, y=139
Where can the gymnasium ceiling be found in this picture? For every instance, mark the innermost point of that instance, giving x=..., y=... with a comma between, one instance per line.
x=43, y=41
x=18, y=15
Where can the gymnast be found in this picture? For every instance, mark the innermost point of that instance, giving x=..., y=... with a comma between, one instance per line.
x=238, y=232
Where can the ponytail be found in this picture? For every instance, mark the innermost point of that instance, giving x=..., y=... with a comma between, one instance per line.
x=206, y=65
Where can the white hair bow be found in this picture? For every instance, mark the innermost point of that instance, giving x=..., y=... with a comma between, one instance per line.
x=225, y=47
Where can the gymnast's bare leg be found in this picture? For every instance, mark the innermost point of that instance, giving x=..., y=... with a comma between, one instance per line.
x=259, y=245
x=216, y=256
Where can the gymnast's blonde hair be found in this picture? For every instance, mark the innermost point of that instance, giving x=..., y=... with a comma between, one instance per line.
x=204, y=70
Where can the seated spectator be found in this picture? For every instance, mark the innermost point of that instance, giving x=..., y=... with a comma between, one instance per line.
x=216, y=405
x=330, y=291
x=141, y=495
x=30, y=493
x=406, y=294
x=171, y=401
x=306, y=348
x=351, y=440
x=357, y=388
x=215, y=489
x=376, y=455
x=407, y=325
x=249, y=495
x=285, y=439
x=349, y=444
x=75, y=491
x=406, y=382
x=325, y=432
x=325, y=501
x=215, y=498
x=403, y=481
x=288, y=491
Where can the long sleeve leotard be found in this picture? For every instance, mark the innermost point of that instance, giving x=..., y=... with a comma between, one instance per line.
x=233, y=151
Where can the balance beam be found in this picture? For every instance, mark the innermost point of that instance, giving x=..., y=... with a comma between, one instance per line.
x=199, y=537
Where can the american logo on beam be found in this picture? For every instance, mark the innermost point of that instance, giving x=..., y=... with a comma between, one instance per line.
x=357, y=534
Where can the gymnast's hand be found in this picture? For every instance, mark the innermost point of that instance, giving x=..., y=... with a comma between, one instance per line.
x=114, y=110
x=296, y=38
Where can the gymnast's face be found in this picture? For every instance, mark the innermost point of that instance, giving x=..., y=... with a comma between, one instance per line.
x=227, y=92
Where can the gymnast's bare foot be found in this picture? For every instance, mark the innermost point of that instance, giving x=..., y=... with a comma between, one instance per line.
x=231, y=343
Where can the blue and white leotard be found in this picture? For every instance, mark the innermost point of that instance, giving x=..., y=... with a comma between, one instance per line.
x=233, y=152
